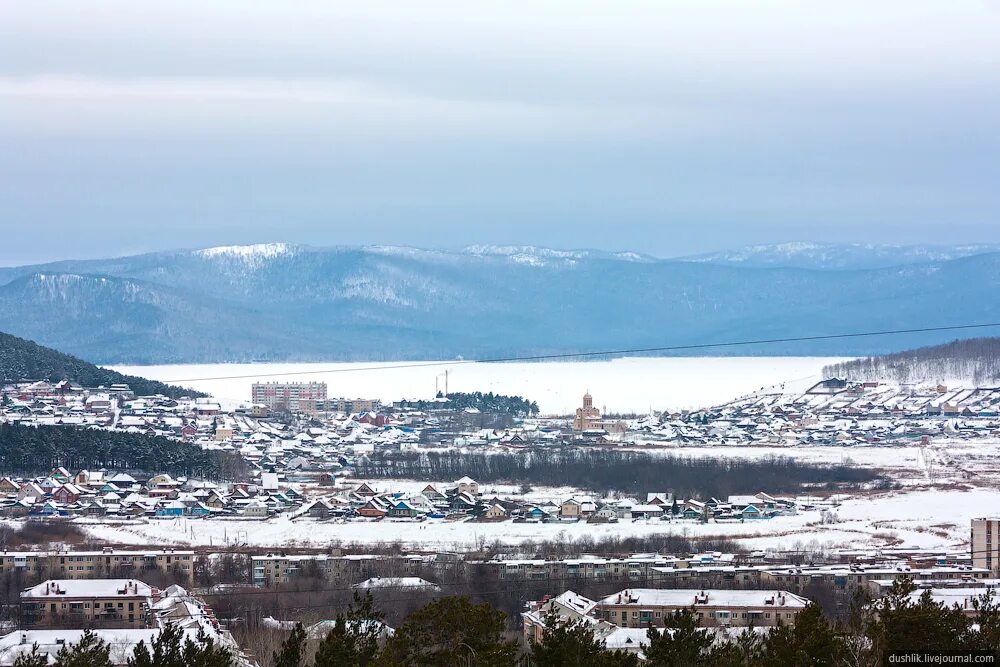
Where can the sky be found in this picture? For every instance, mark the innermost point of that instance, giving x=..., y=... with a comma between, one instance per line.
x=668, y=127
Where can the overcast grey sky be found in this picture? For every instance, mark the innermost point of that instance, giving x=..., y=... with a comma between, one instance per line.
x=663, y=126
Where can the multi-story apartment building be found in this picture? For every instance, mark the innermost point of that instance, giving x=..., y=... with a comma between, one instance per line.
x=90, y=564
x=642, y=567
x=856, y=576
x=640, y=607
x=290, y=396
x=84, y=602
x=353, y=405
x=272, y=569
x=986, y=544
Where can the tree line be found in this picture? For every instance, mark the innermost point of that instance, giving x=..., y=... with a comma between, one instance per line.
x=170, y=648
x=22, y=359
x=516, y=406
x=455, y=631
x=603, y=471
x=976, y=360
x=33, y=450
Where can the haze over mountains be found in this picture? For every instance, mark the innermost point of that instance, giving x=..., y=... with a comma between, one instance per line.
x=835, y=256
x=283, y=302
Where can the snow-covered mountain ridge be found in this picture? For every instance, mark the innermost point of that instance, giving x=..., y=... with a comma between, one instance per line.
x=832, y=256
x=280, y=301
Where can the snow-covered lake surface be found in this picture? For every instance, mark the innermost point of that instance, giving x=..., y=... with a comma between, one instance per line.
x=620, y=385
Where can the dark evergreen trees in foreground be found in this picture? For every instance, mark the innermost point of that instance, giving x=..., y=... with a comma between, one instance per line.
x=38, y=449
x=454, y=631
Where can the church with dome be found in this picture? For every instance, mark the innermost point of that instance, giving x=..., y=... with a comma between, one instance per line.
x=589, y=418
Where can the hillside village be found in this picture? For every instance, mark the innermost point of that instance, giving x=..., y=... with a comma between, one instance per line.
x=301, y=465
x=301, y=468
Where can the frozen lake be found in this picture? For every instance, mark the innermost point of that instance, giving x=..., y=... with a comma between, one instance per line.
x=619, y=385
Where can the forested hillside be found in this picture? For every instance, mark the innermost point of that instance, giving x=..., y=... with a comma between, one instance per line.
x=33, y=450
x=22, y=359
x=279, y=302
x=976, y=360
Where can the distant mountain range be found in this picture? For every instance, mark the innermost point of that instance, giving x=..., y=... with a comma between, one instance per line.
x=273, y=302
x=832, y=256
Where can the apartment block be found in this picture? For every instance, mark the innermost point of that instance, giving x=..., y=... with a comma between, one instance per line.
x=640, y=607
x=290, y=396
x=85, y=602
x=986, y=545
x=90, y=564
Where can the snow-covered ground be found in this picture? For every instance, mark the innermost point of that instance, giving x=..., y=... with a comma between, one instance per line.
x=944, y=483
x=620, y=385
x=929, y=518
x=944, y=486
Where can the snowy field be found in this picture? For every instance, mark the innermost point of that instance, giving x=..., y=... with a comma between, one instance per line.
x=944, y=485
x=928, y=518
x=620, y=385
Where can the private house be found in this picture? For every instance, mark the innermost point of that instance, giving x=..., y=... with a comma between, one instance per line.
x=536, y=513
x=375, y=508
x=366, y=490
x=318, y=509
x=173, y=508
x=462, y=502
x=495, y=512
x=431, y=493
x=256, y=509
x=647, y=511
x=695, y=510
x=468, y=486
x=67, y=494
x=403, y=510
x=571, y=509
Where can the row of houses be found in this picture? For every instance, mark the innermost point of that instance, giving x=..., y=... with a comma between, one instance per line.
x=832, y=412
x=100, y=493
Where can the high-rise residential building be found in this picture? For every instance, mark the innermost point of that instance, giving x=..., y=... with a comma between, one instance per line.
x=290, y=396
x=986, y=544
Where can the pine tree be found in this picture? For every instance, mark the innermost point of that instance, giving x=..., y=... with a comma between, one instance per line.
x=292, y=649
x=33, y=659
x=572, y=644
x=744, y=652
x=90, y=651
x=810, y=642
x=681, y=643
x=451, y=631
x=204, y=653
x=339, y=648
x=988, y=618
x=168, y=651
x=900, y=624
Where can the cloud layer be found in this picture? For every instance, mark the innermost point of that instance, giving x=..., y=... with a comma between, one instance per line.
x=667, y=127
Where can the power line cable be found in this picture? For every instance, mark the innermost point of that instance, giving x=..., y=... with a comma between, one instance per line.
x=600, y=353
